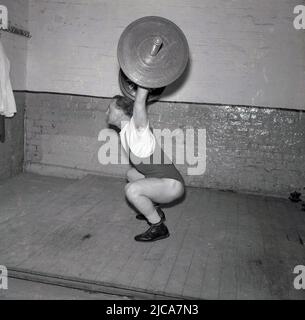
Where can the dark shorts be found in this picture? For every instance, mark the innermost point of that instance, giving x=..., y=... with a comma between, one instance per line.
x=160, y=171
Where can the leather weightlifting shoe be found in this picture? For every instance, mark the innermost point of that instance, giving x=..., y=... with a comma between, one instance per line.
x=141, y=216
x=155, y=232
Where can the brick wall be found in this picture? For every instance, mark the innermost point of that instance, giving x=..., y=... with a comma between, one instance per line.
x=12, y=150
x=257, y=150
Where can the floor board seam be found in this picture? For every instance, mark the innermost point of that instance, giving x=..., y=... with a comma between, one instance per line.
x=92, y=286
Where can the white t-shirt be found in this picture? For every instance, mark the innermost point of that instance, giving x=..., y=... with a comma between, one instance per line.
x=141, y=141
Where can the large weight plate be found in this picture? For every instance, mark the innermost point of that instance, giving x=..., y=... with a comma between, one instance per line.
x=135, y=46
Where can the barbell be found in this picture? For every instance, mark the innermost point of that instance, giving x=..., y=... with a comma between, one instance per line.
x=152, y=52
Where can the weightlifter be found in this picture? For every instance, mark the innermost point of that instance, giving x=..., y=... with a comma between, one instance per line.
x=150, y=184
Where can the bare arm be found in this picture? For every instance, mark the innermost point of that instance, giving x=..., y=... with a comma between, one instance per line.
x=139, y=110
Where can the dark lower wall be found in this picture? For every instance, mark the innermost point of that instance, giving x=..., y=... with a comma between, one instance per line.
x=12, y=150
x=256, y=150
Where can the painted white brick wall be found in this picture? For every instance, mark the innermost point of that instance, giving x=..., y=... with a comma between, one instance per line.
x=242, y=51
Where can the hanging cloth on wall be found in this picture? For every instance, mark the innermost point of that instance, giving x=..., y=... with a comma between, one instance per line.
x=7, y=100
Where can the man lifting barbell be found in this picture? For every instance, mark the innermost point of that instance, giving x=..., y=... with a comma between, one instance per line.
x=152, y=53
x=149, y=182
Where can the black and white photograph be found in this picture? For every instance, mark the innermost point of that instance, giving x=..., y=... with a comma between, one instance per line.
x=152, y=150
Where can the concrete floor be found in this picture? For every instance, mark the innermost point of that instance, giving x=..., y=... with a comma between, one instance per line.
x=222, y=245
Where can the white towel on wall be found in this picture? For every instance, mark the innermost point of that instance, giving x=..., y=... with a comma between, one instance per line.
x=7, y=100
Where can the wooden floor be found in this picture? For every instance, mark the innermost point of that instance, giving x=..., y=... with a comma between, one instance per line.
x=222, y=245
x=28, y=290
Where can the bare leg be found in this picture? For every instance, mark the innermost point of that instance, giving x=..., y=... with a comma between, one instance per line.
x=143, y=192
